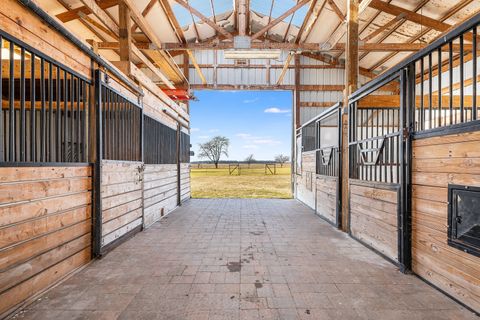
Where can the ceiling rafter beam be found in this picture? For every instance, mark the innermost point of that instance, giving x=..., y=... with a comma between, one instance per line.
x=279, y=19
x=173, y=20
x=337, y=10
x=285, y=68
x=145, y=11
x=73, y=13
x=205, y=19
x=390, y=24
x=450, y=13
x=310, y=13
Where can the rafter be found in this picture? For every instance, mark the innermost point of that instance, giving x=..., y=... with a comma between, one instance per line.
x=205, y=19
x=285, y=68
x=306, y=22
x=173, y=20
x=391, y=24
x=450, y=13
x=270, y=15
x=279, y=19
x=214, y=16
x=145, y=11
x=336, y=9
x=73, y=13
x=195, y=64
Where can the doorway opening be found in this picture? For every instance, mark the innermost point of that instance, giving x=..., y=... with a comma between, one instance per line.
x=242, y=144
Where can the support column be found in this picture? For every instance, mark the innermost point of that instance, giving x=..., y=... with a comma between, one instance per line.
x=351, y=81
x=297, y=92
x=125, y=37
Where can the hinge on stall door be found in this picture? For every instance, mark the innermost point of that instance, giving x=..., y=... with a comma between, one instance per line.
x=406, y=133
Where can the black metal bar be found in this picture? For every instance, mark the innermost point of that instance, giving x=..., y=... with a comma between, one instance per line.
x=85, y=96
x=65, y=117
x=474, y=74
x=450, y=79
x=77, y=86
x=11, y=99
x=2, y=124
x=42, y=112
x=430, y=126
x=58, y=141
x=72, y=118
x=439, y=90
x=50, y=112
x=461, y=79
x=22, y=105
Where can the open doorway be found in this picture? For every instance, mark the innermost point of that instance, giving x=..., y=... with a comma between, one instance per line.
x=242, y=144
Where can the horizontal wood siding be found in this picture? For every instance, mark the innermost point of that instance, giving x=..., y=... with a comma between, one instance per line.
x=185, y=181
x=45, y=228
x=327, y=197
x=160, y=191
x=437, y=162
x=121, y=194
x=305, y=183
x=373, y=217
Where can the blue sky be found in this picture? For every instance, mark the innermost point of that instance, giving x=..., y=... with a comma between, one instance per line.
x=256, y=122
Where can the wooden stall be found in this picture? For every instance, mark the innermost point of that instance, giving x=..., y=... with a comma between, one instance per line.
x=305, y=184
x=375, y=175
x=328, y=165
x=433, y=163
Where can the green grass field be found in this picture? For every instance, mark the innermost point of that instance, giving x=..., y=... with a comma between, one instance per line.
x=208, y=182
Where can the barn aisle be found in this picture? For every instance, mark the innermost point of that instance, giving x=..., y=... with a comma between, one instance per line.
x=242, y=259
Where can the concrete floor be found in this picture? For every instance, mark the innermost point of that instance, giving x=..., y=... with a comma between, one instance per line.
x=243, y=259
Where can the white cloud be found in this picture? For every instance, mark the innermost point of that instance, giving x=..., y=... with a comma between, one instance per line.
x=267, y=141
x=194, y=129
x=243, y=135
x=250, y=146
x=251, y=100
x=276, y=110
x=213, y=130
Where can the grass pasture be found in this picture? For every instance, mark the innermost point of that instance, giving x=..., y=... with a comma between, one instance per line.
x=252, y=182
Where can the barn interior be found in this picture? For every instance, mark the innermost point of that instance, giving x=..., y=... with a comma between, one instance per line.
x=96, y=219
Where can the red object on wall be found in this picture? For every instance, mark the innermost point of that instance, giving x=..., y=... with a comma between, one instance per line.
x=177, y=94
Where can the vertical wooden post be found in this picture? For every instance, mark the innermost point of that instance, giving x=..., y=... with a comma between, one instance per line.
x=186, y=73
x=351, y=81
x=125, y=37
x=297, y=92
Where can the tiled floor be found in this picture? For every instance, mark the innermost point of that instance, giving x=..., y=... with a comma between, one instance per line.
x=243, y=259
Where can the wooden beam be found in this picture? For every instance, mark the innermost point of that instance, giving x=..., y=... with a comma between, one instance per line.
x=297, y=93
x=337, y=10
x=216, y=27
x=73, y=13
x=385, y=27
x=270, y=15
x=333, y=87
x=125, y=36
x=314, y=47
x=279, y=19
x=173, y=20
x=285, y=68
x=242, y=17
x=409, y=15
x=199, y=71
x=335, y=62
x=311, y=14
x=351, y=82
x=102, y=16
x=145, y=11
x=158, y=56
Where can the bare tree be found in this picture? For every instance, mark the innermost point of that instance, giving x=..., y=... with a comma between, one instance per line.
x=214, y=149
x=250, y=159
x=281, y=159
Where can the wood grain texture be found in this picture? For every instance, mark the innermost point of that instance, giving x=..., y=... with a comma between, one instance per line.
x=122, y=202
x=45, y=229
x=373, y=218
x=327, y=197
x=160, y=191
x=438, y=162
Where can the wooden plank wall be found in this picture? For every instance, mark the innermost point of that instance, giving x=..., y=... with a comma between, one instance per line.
x=45, y=228
x=373, y=216
x=326, y=204
x=305, y=183
x=185, y=181
x=160, y=191
x=437, y=162
x=122, y=200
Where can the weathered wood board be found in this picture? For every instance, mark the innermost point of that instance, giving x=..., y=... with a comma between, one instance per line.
x=326, y=204
x=438, y=162
x=305, y=183
x=122, y=201
x=373, y=216
x=45, y=228
x=160, y=191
